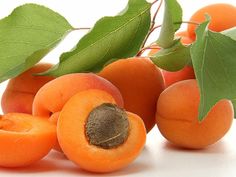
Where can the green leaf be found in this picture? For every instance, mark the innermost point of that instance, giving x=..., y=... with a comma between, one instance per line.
x=230, y=33
x=111, y=38
x=174, y=58
x=27, y=35
x=213, y=57
x=171, y=23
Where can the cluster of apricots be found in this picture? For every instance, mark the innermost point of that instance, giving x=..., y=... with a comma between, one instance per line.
x=100, y=121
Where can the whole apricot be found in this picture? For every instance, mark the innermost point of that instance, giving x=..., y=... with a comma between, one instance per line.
x=21, y=90
x=140, y=83
x=222, y=17
x=177, y=117
x=172, y=77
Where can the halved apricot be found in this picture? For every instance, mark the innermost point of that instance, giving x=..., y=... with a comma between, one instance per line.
x=97, y=135
x=51, y=98
x=24, y=139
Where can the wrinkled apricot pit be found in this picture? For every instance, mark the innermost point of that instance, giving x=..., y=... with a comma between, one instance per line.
x=107, y=126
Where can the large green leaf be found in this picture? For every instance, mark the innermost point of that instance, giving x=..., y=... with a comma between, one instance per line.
x=174, y=58
x=214, y=60
x=171, y=23
x=111, y=38
x=26, y=35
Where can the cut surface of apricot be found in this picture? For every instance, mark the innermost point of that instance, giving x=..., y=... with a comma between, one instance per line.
x=72, y=131
x=24, y=139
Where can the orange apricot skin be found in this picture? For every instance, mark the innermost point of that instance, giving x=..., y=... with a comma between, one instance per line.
x=140, y=83
x=177, y=117
x=184, y=74
x=52, y=96
x=222, y=17
x=22, y=147
x=184, y=37
x=20, y=91
x=74, y=143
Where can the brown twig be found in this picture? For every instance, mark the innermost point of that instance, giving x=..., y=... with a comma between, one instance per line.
x=146, y=48
x=155, y=27
x=154, y=2
x=153, y=22
x=155, y=15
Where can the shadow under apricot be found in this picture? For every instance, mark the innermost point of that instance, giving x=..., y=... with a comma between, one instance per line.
x=217, y=148
x=38, y=167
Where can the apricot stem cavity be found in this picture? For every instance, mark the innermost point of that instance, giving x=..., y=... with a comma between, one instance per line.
x=107, y=126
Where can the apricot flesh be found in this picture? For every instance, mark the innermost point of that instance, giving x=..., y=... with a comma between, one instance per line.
x=24, y=139
x=177, y=117
x=21, y=90
x=76, y=145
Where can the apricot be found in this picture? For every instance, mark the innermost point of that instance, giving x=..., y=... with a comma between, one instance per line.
x=177, y=117
x=51, y=98
x=24, y=139
x=20, y=91
x=184, y=74
x=172, y=77
x=140, y=83
x=98, y=135
x=222, y=17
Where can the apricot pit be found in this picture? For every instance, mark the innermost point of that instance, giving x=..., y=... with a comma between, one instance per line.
x=107, y=126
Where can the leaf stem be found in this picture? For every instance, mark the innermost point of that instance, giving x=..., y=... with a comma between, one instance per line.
x=188, y=22
x=154, y=2
x=155, y=15
x=155, y=27
x=152, y=27
x=81, y=28
x=146, y=48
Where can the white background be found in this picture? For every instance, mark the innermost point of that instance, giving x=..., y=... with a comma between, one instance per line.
x=159, y=158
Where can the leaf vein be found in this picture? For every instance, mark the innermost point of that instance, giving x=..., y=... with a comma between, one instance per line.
x=107, y=35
